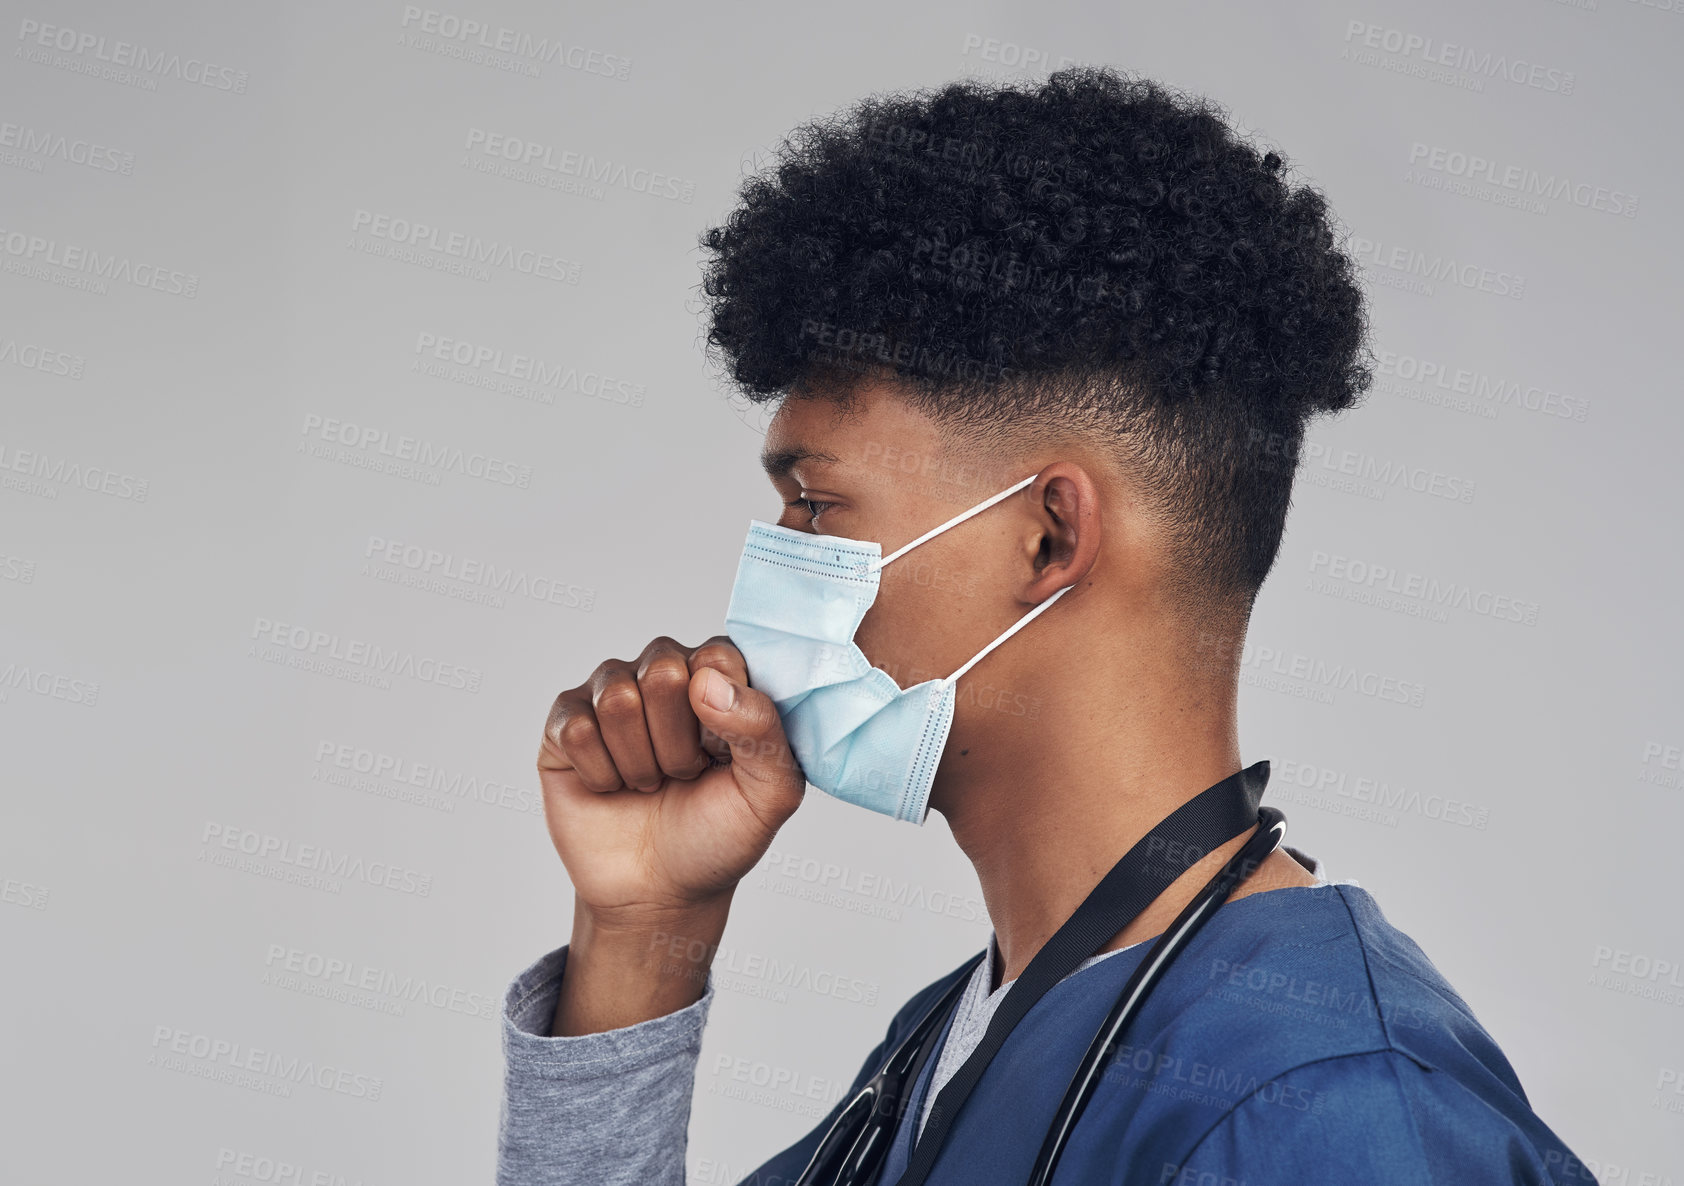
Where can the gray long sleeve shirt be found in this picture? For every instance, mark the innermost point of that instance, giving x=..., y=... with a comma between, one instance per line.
x=613, y=1108
x=607, y=1109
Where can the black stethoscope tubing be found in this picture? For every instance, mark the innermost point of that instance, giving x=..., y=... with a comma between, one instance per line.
x=884, y=1090
x=1271, y=830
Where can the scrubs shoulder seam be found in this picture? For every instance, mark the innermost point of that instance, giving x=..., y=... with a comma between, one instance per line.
x=1439, y=989
x=1367, y=971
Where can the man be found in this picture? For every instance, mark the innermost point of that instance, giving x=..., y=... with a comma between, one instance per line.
x=1090, y=297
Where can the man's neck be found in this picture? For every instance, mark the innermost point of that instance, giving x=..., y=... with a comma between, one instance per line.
x=1044, y=810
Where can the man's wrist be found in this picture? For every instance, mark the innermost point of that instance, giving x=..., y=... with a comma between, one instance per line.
x=629, y=968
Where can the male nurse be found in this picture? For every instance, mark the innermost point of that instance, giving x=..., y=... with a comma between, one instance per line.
x=1088, y=291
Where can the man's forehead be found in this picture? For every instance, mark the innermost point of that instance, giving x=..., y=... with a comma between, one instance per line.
x=816, y=430
x=778, y=461
x=803, y=431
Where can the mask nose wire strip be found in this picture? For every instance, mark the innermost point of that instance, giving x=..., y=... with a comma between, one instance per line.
x=1016, y=626
x=959, y=518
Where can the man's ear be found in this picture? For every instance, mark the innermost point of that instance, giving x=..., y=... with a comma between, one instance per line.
x=1065, y=543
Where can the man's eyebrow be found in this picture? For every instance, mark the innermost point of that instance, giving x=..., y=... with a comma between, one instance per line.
x=778, y=464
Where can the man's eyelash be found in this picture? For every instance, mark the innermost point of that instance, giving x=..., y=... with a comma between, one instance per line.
x=813, y=505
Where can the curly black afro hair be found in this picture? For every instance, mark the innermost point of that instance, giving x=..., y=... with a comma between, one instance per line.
x=1094, y=252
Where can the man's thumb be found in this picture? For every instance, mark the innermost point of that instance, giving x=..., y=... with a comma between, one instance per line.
x=747, y=721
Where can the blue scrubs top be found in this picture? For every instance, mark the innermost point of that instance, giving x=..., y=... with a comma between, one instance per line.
x=1299, y=1039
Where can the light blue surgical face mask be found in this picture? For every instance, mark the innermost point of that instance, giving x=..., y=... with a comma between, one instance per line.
x=858, y=735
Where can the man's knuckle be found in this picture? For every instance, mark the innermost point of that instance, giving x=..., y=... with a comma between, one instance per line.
x=619, y=700
x=574, y=731
x=718, y=649
x=665, y=674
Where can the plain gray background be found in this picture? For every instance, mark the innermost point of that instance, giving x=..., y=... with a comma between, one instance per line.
x=174, y=519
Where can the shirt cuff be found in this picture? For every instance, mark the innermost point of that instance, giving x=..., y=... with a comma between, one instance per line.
x=529, y=1008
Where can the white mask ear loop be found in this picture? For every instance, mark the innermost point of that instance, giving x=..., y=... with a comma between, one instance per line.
x=959, y=518
x=1016, y=626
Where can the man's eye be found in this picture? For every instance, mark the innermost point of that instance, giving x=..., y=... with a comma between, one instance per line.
x=814, y=506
